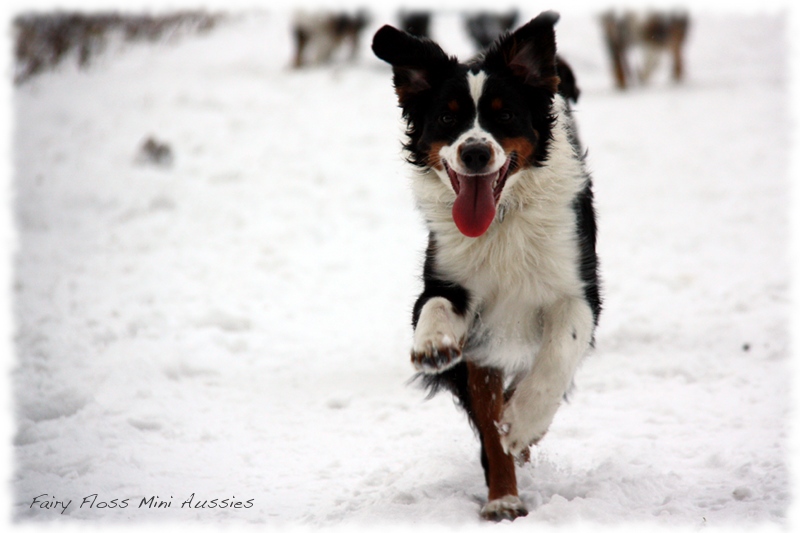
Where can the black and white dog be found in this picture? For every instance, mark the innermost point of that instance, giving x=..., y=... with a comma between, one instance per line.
x=511, y=293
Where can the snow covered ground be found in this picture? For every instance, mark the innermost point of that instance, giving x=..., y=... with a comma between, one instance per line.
x=236, y=326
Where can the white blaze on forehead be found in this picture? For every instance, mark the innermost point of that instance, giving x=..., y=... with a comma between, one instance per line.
x=450, y=152
x=476, y=82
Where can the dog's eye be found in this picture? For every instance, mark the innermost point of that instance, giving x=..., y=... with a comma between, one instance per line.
x=504, y=115
x=447, y=119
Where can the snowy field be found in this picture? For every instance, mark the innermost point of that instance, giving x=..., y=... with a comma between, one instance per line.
x=236, y=325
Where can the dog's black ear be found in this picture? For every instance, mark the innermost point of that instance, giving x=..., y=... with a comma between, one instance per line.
x=568, y=85
x=415, y=61
x=530, y=52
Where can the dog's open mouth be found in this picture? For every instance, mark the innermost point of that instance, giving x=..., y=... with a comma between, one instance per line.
x=477, y=196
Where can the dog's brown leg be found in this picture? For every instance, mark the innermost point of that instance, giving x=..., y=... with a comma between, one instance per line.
x=678, y=28
x=612, y=30
x=486, y=398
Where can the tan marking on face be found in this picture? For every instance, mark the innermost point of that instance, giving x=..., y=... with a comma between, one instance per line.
x=522, y=146
x=434, y=159
x=497, y=104
x=452, y=105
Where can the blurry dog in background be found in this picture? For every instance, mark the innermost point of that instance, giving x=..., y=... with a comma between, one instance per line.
x=416, y=22
x=318, y=36
x=655, y=35
x=484, y=28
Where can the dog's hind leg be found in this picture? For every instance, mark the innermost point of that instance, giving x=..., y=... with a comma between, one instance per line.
x=485, y=386
x=567, y=335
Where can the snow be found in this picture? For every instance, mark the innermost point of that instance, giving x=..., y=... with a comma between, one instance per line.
x=237, y=325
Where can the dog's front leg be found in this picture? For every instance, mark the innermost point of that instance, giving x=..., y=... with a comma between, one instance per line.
x=485, y=393
x=439, y=333
x=567, y=334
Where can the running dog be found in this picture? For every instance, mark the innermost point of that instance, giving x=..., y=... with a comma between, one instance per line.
x=319, y=35
x=511, y=292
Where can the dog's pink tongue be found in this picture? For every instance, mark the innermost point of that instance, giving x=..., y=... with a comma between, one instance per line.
x=474, y=208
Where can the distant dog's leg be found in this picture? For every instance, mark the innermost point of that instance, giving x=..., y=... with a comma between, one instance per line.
x=486, y=406
x=652, y=58
x=678, y=28
x=677, y=61
x=676, y=49
x=300, y=42
x=567, y=334
x=438, y=336
x=617, y=49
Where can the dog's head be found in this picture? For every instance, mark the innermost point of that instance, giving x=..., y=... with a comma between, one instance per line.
x=477, y=125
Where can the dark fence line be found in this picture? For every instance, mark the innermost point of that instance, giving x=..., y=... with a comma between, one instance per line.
x=44, y=40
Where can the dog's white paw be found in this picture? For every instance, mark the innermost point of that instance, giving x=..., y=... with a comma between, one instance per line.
x=435, y=355
x=505, y=508
x=519, y=433
x=438, y=337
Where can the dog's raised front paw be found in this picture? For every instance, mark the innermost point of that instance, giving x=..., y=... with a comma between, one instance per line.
x=438, y=336
x=505, y=508
x=432, y=357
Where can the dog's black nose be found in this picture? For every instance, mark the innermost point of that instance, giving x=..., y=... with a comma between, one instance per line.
x=476, y=156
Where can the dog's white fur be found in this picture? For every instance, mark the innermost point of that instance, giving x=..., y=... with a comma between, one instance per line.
x=528, y=314
x=501, y=505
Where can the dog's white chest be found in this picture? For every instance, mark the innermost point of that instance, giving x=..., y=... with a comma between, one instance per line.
x=517, y=270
